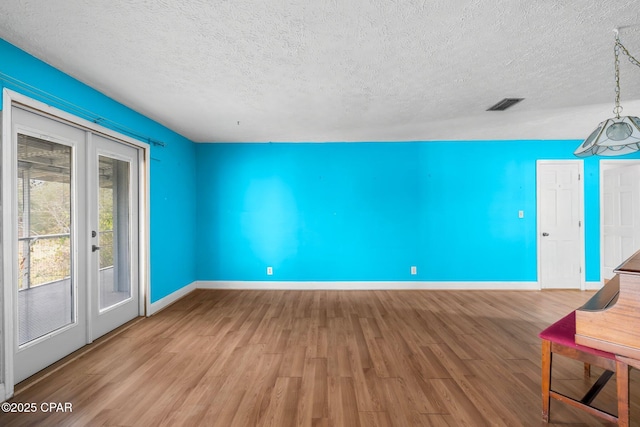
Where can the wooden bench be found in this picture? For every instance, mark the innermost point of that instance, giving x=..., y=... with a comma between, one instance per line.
x=559, y=338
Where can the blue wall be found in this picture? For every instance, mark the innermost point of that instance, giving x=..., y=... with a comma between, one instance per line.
x=334, y=211
x=368, y=211
x=172, y=187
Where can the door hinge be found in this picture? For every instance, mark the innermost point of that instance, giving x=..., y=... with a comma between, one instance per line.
x=580, y=270
x=579, y=223
x=579, y=177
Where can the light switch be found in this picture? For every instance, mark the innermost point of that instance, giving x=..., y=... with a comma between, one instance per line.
x=520, y=214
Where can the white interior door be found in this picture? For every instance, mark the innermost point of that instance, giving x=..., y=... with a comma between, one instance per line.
x=560, y=247
x=620, y=216
x=49, y=280
x=114, y=234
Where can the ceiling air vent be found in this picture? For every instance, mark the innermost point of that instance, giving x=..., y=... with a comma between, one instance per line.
x=504, y=104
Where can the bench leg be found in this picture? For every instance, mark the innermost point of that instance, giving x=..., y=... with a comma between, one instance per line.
x=622, y=382
x=587, y=370
x=546, y=379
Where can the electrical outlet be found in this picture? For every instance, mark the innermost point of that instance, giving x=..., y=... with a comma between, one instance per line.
x=269, y=271
x=414, y=270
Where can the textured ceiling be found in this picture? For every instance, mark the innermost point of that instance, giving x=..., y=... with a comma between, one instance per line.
x=255, y=70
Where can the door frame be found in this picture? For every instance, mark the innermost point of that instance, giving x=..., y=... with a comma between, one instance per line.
x=580, y=164
x=604, y=165
x=9, y=218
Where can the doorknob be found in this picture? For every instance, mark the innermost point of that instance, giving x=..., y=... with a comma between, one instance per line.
x=545, y=234
x=95, y=248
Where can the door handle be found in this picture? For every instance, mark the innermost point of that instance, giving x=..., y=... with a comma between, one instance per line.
x=95, y=248
x=545, y=234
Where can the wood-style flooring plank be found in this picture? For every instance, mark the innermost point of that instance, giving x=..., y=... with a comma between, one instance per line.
x=323, y=359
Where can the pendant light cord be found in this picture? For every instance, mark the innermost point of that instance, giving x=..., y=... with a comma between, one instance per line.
x=618, y=46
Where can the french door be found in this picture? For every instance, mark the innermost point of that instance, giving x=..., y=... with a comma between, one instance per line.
x=113, y=179
x=50, y=289
x=76, y=224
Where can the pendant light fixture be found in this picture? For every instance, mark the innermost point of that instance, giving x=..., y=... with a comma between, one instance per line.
x=620, y=134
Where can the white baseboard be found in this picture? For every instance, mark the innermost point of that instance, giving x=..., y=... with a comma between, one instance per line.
x=356, y=285
x=528, y=286
x=155, y=307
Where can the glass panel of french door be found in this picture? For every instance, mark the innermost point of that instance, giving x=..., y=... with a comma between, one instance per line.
x=45, y=286
x=49, y=285
x=114, y=233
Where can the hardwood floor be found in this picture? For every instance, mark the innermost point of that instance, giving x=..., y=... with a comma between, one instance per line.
x=324, y=358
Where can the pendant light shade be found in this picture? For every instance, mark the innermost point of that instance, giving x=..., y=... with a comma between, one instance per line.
x=621, y=134
x=613, y=137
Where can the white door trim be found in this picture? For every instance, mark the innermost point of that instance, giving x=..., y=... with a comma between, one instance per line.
x=580, y=164
x=603, y=166
x=9, y=217
x=9, y=246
